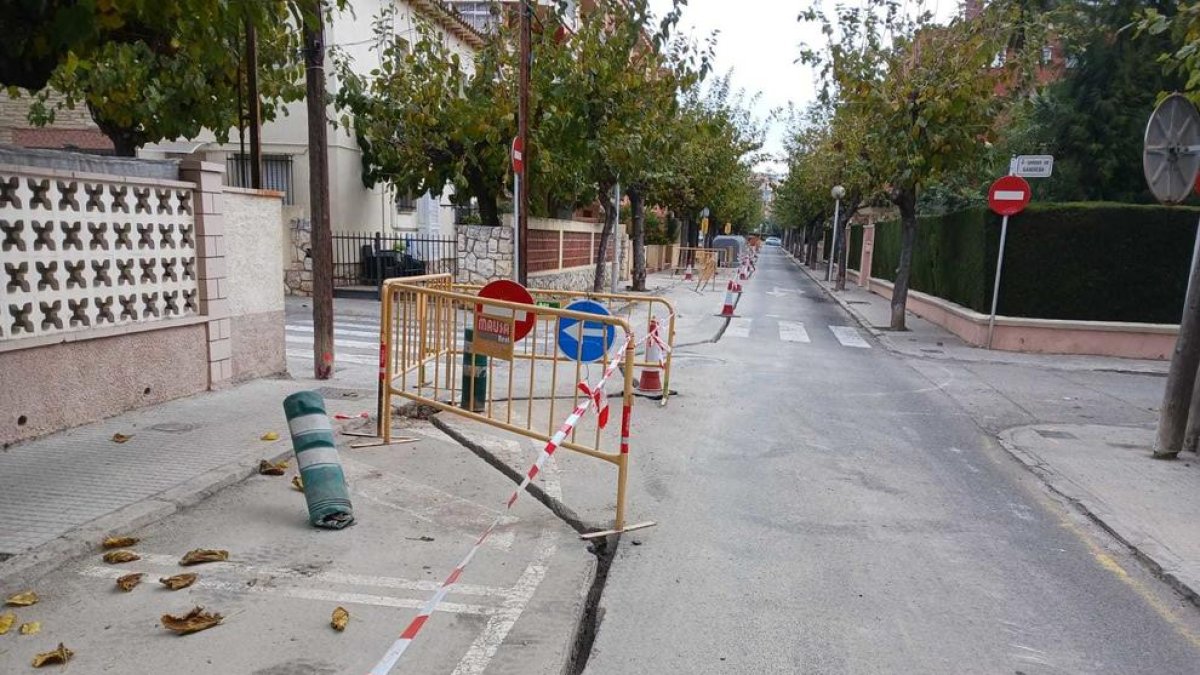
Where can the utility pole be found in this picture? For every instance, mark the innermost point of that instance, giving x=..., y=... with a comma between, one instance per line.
x=318, y=188
x=522, y=243
x=254, y=109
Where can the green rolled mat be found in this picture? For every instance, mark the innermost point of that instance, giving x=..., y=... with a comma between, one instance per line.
x=325, y=487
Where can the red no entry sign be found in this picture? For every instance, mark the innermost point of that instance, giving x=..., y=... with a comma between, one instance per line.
x=518, y=155
x=503, y=289
x=1009, y=195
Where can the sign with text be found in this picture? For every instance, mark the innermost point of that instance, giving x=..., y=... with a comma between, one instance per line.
x=1033, y=166
x=493, y=335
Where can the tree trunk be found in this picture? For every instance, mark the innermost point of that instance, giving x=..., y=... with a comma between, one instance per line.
x=610, y=221
x=125, y=140
x=638, y=208
x=843, y=257
x=485, y=196
x=906, y=199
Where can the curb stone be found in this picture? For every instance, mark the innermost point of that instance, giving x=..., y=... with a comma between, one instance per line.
x=25, y=568
x=1159, y=560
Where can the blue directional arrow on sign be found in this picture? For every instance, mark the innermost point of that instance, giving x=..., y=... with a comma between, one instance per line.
x=585, y=341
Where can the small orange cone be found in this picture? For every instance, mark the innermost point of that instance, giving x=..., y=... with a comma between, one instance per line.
x=727, y=308
x=650, y=381
x=687, y=276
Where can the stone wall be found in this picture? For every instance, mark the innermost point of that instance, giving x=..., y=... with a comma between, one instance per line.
x=484, y=253
x=297, y=265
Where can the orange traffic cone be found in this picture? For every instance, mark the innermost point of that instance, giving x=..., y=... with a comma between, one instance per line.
x=651, y=380
x=735, y=286
x=727, y=308
x=687, y=275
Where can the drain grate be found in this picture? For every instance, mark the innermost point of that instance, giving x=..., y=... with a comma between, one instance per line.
x=1051, y=433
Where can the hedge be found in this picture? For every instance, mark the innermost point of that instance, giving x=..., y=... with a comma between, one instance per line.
x=1091, y=261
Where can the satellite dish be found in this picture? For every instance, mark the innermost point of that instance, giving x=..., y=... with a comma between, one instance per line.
x=1171, y=152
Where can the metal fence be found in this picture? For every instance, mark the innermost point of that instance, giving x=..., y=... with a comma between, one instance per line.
x=368, y=259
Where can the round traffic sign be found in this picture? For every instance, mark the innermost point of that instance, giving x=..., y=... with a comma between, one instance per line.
x=585, y=341
x=518, y=155
x=504, y=289
x=1009, y=195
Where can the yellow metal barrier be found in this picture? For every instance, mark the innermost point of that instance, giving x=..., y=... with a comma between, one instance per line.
x=697, y=256
x=659, y=311
x=428, y=356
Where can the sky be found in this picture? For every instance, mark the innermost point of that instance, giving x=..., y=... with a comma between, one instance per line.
x=760, y=41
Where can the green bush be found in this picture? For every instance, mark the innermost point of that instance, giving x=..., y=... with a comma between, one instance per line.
x=1091, y=261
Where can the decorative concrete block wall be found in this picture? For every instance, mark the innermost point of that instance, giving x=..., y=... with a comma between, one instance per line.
x=115, y=287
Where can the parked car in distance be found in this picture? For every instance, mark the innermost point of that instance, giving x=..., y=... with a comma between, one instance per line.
x=774, y=241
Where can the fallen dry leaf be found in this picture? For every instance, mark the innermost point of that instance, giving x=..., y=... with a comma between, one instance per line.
x=31, y=628
x=204, y=555
x=192, y=622
x=60, y=655
x=122, y=556
x=119, y=542
x=179, y=581
x=6, y=622
x=22, y=599
x=340, y=618
x=130, y=581
x=298, y=483
x=121, y=438
x=271, y=468
x=270, y=436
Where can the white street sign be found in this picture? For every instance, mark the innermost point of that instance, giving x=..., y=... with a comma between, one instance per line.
x=1033, y=166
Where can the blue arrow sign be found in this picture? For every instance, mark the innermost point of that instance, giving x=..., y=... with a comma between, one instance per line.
x=585, y=341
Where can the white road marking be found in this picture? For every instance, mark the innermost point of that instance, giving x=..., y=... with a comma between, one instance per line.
x=1009, y=195
x=739, y=327
x=172, y=562
x=350, y=344
x=337, y=331
x=501, y=621
x=793, y=331
x=308, y=593
x=849, y=337
x=339, y=323
x=340, y=358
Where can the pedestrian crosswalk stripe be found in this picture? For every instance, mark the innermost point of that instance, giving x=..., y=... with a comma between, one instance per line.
x=340, y=358
x=793, y=331
x=849, y=337
x=338, y=323
x=307, y=340
x=337, y=330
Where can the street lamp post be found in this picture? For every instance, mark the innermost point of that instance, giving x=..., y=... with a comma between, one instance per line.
x=838, y=192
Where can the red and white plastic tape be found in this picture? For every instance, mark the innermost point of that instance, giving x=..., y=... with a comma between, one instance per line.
x=398, y=647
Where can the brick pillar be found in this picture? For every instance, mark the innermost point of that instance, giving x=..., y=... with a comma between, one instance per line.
x=214, y=301
x=868, y=252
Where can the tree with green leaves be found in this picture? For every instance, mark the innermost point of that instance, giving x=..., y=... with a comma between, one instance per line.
x=425, y=119
x=926, y=94
x=153, y=71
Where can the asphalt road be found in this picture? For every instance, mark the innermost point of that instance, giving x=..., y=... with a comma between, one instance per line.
x=826, y=507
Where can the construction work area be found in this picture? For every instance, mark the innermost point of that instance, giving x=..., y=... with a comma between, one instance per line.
x=558, y=474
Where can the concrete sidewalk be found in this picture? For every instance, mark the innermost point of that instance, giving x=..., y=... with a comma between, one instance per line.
x=187, y=478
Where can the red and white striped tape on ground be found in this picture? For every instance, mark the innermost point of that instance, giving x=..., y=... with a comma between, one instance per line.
x=344, y=416
x=398, y=647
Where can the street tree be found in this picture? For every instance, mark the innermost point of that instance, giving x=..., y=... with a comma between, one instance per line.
x=148, y=72
x=926, y=95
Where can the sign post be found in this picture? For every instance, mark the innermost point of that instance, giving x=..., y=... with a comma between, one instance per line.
x=518, y=167
x=1008, y=196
